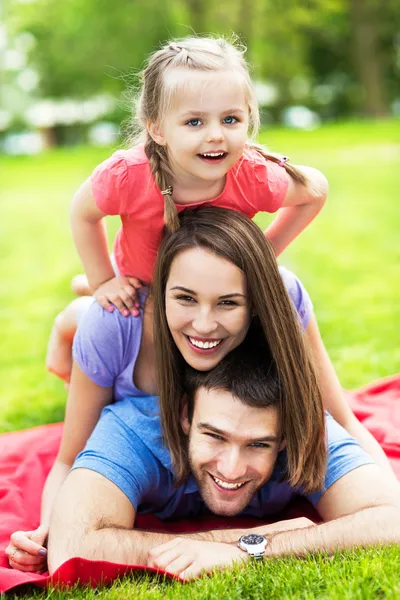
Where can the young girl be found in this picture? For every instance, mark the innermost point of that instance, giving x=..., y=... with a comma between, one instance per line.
x=194, y=113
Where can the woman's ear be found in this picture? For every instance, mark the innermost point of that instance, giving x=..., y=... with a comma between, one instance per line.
x=185, y=424
x=156, y=133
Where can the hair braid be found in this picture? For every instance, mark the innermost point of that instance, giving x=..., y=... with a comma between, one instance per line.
x=158, y=159
x=294, y=173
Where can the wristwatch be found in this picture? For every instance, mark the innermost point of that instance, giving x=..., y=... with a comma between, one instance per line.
x=254, y=544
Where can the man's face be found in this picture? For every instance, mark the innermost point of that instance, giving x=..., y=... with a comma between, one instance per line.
x=232, y=449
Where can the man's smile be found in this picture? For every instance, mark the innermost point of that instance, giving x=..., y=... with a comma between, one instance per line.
x=225, y=485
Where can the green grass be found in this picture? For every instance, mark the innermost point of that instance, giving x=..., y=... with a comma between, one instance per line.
x=349, y=260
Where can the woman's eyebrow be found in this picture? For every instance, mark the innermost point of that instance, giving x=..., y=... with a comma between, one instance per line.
x=183, y=289
x=232, y=295
x=224, y=297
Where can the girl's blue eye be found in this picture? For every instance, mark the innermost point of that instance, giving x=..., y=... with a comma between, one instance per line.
x=230, y=120
x=194, y=122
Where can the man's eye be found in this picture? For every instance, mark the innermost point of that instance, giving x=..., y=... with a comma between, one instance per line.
x=230, y=120
x=194, y=122
x=214, y=436
x=260, y=445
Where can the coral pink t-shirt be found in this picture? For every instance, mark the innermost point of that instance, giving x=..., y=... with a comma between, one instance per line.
x=124, y=185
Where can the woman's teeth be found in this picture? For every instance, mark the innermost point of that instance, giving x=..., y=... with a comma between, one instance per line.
x=226, y=485
x=204, y=345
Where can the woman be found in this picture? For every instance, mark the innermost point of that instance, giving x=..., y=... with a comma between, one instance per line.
x=216, y=284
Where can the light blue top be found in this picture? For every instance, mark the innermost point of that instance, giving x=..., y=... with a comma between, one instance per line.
x=126, y=448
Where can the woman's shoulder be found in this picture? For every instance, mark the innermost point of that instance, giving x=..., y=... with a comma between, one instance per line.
x=105, y=343
x=298, y=294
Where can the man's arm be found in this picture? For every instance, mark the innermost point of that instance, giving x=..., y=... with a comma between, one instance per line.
x=92, y=518
x=362, y=508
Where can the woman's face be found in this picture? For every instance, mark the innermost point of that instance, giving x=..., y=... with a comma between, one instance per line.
x=207, y=307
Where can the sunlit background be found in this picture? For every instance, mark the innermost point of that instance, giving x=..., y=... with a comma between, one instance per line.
x=66, y=65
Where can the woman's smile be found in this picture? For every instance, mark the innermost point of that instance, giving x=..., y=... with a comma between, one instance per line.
x=207, y=316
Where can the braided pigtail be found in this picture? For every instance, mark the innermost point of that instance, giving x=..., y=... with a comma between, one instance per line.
x=158, y=159
x=294, y=173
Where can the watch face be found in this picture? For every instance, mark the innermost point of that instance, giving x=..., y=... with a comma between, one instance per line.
x=253, y=539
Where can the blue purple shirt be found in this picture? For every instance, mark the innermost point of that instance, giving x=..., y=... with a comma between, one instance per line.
x=134, y=458
x=106, y=345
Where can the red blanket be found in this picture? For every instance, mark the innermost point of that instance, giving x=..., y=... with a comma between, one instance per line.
x=26, y=457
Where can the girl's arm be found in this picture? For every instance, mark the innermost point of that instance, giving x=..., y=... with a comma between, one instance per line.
x=335, y=402
x=85, y=402
x=301, y=205
x=90, y=237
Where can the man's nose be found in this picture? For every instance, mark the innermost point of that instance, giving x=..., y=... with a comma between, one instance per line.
x=231, y=465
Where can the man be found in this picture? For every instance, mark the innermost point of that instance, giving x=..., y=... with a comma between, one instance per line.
x=237, y=457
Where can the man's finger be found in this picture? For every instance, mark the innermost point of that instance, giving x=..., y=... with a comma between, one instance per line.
x=158, y=550
x=191, y=572
x=178, y=565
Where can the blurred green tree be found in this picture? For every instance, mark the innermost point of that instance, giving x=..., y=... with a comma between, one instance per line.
x=337, y=56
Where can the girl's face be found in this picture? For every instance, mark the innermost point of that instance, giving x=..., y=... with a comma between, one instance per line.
x=206, y=127
x=207, y=307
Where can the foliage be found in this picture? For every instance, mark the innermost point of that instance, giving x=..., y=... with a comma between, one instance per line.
x=85, y=46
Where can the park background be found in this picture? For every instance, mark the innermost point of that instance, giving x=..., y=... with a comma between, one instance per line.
x=328, y=80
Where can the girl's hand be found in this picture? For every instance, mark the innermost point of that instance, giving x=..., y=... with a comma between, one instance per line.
x=120, y=292
x=26, y=551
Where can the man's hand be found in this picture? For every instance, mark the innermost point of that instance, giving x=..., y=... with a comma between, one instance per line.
x=26, y=551
x=122, y=293
x=190, y=558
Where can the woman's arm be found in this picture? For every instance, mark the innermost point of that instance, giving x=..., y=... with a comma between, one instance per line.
x=335, y=402
x=301, y=205
x=85, y=402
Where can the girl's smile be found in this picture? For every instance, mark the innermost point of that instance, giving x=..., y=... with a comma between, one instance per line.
x=205, y=129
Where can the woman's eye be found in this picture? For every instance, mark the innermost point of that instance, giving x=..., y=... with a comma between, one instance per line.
x=185, y=298
x=194, y=122
x=230, y=120
x=228, y=303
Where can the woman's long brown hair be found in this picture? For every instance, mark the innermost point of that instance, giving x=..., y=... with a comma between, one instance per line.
x=236, y=238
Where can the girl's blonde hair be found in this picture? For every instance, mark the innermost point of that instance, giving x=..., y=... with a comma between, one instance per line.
x=155, y=98
x=274, y=326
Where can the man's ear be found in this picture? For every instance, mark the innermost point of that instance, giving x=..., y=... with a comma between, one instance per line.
x=283, y=445
x=185, y=417
x=156, y=132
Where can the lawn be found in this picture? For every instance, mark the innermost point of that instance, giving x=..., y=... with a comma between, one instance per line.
x=349, y=260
